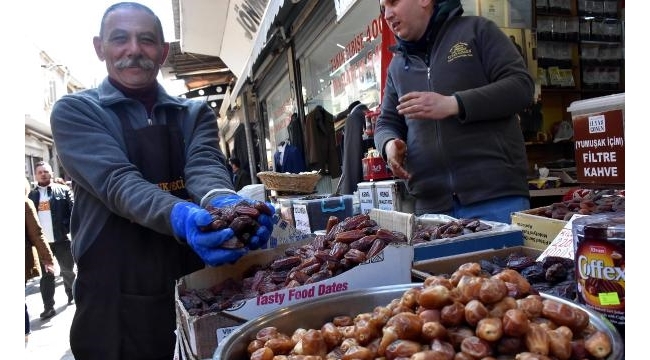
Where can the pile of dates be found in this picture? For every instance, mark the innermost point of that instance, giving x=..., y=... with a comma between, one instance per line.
x=428, y=232
x=553, y=275
x=591, y=202
x=465, y=316
x=346, y=244
x=241, y=218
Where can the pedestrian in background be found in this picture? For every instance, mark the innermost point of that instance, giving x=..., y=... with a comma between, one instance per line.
x=448, y=116
x=54, y=204
x=144, y=166
x=240, y=177
x=38, y=254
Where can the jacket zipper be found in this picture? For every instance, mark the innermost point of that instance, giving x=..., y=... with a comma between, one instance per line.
x=438, y=136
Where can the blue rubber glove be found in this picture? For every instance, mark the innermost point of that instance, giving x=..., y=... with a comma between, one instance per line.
x=187, y=220
x=261, y=238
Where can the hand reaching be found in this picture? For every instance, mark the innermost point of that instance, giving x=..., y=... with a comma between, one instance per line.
x=395, y=157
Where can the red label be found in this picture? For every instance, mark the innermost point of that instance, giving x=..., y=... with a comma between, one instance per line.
x=374, y=168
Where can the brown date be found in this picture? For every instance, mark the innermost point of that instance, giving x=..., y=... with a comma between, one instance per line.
x=509, y=345
x=475, y=311
x=428, y=315
x=536, y=340
x=433, y=330
x=280, y=344
x=402, y=349
x=492, y=290
x=476, y=347
x=515, y=322
x=560, y=342
x=489, y=329
x=407, y=325
x=531, y=305
x=435, y=297
x=262, y=353
x=452, y=314
x=598, y=345
x=311, y=343
x=358, y=352
x=343, y=320
x=331, y=334
x=254, y=345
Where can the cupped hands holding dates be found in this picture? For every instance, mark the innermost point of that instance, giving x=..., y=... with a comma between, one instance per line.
x=249, y=220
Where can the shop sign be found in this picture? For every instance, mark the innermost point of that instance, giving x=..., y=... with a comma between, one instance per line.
x=343, y=70
x=600, y=148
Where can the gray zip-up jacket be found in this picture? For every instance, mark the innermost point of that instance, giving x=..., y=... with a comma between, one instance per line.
x=480, y=156
x=90, y=144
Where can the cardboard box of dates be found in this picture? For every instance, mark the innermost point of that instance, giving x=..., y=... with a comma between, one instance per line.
x=204, y=327
x=448, y=264
x=541, y=225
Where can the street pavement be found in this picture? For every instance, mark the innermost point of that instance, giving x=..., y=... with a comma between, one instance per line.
x=49, y=339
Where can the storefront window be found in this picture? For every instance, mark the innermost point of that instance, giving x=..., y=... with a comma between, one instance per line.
x=279, y=107
x=345, y=65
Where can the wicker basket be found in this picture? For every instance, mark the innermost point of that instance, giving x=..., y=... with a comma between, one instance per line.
x=297, y=183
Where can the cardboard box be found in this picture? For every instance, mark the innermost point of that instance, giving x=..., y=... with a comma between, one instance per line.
x=538, y=231
x=500, y=236
x=311, y=214
x=395, y=221
x=446, y=265
x=599, y=136
x=203, y=332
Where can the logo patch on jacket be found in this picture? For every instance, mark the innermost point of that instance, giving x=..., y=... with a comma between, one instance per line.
x=460, y=50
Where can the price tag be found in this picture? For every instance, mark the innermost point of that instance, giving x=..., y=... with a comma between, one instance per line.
x=366, y=199
x=609, y=299
x=301, y=217
x=562, y=245
x=386, y=198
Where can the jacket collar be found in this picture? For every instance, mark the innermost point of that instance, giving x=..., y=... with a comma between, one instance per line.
x=109, y=95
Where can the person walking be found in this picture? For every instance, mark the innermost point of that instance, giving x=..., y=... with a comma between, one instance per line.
x=448, y=121
x=240, y=177
x=144, y=167
x=37, y=250
x=54, y=203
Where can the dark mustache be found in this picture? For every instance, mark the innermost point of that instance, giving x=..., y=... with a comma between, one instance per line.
x=140, y=62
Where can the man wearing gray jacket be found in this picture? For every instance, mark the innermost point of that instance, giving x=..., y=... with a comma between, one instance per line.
x=447, y=121
x=145, y=165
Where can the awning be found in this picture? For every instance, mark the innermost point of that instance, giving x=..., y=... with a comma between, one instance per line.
x=233, y=30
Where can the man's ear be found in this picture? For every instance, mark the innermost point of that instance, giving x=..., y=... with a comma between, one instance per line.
x=97, y=43
x=164, y=53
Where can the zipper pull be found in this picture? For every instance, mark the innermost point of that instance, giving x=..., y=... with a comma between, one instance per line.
x=149, y=121
x=428, y=73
